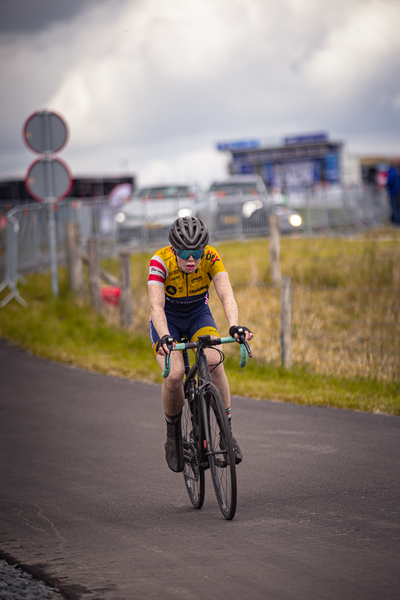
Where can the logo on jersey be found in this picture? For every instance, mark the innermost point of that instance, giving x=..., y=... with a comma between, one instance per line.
x=212, y=256
x=157, y=271
x=171, y=290
x=197, y=290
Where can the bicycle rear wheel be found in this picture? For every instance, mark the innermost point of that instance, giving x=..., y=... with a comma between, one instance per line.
x=220, y=452
x=193, y=473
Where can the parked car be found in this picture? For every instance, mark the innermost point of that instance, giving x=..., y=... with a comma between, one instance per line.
x=239, y=205
x=289, y=219
x=149, y=214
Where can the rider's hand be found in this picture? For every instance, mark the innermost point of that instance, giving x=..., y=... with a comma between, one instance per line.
x=233, y=332
x=162, y=347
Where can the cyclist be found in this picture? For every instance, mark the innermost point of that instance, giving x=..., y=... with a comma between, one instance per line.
x=179, y=278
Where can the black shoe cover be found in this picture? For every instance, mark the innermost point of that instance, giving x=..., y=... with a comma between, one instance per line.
x=174, y=447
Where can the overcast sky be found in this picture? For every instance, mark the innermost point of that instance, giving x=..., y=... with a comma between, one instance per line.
x=150, y=86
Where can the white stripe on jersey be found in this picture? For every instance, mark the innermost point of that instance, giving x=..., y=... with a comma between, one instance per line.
x=158, y=269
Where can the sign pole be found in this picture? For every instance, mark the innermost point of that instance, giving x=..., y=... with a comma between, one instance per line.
x=48, y=179
x=53, y=251
x=50, y=199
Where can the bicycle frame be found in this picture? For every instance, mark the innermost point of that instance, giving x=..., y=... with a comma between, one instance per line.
x=201, y=367
x=206, y=433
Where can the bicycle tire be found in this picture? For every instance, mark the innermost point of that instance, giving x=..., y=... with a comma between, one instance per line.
x=193, y=473
x=220, y=452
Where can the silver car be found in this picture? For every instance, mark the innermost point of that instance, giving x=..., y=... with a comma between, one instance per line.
x=152, y=209
x=289, y=219
x=239, y=206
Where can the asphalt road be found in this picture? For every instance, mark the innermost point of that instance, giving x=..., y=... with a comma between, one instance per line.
x=86, y=497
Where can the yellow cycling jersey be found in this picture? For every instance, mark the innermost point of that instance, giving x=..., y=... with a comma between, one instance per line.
x=187, y=290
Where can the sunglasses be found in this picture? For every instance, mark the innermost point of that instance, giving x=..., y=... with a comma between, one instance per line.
x=186, y=254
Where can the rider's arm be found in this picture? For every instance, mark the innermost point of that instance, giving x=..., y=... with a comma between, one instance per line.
x=157, y=304
x=225, y=294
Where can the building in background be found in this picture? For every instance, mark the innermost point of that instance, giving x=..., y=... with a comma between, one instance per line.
x=298, y=162
x=14, y=192
x=92, y=186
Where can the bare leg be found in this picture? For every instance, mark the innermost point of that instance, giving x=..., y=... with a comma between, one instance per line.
x=172, y=388
x=173, y=398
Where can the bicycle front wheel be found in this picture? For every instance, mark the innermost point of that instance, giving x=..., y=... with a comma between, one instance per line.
x=193, y=473
x=220, y=452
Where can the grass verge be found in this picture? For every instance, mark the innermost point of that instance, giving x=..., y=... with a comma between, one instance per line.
x=68, y=331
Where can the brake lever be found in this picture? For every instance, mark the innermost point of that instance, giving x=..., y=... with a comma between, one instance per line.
x=246, y=345
x=242, y=340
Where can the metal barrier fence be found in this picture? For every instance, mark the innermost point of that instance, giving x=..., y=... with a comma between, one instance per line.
x=328, y=210
x=4, y=208
x=25, y=228
x=341, y=209
x=331, y=210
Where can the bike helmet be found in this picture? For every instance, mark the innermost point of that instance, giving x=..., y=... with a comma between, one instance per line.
x=188, y=233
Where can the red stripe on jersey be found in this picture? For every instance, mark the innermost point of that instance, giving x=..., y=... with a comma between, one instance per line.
x=156, y=278
x=159, y=264
x=158, y=271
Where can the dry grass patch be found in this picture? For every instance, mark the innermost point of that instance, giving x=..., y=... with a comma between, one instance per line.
x=345, y=339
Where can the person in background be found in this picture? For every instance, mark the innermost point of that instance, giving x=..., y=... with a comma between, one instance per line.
x=393, y=188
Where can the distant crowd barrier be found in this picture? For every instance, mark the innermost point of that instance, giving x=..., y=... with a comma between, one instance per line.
x=335, y=210
x=341, y=209
x=24, y=230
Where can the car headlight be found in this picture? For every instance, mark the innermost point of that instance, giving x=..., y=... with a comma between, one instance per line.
x=120, y=217
x=184, y=212
x=251, y=206
x=295, y=220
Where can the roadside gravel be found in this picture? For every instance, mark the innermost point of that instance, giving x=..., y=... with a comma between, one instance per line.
x=17, y=585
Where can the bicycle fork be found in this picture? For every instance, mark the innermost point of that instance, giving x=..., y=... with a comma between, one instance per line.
x=208, y=446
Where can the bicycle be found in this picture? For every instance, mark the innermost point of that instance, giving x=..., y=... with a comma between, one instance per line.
x=206, y=432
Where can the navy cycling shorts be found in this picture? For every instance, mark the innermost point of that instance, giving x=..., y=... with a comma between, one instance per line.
x=201, y=322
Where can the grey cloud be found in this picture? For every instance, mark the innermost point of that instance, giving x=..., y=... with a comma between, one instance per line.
x=261, y=89
x=30, y=16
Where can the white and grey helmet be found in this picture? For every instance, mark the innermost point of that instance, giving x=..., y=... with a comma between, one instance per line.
x=188, y=233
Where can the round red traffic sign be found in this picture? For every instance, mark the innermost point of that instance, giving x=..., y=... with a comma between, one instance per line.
x=45, y=132
x=48, y=180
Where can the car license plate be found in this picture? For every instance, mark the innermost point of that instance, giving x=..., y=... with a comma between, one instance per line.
x=154, y=225
x=231, y=219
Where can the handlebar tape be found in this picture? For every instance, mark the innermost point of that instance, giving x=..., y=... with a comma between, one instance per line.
x=226, y=340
